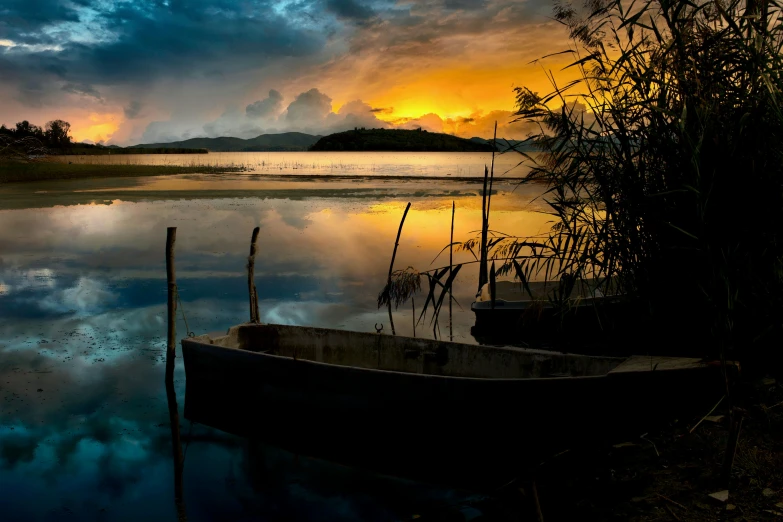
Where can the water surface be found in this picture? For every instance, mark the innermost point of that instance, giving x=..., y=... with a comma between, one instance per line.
x=374, y=164
x=84, y=432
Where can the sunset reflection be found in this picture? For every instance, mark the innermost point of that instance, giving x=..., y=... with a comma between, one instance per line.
x=82, y=289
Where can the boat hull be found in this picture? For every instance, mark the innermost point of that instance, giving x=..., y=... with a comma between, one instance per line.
x=392, y=420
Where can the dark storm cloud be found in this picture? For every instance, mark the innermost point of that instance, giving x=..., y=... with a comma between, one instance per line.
x=82, y=89
x=21, y=20
x=90, y=43
x=132, y=110
x=425, y=28
x=465, y=4
x=267, y=107
x=350, y=9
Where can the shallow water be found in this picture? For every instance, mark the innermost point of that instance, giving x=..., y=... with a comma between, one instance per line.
x=373, y=164
x=84, y=431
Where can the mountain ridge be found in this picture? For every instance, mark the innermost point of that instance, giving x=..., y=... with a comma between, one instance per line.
x=355, y=140
x=284, y=142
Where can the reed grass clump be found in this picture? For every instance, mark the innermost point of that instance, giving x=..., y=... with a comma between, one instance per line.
x=663, y=164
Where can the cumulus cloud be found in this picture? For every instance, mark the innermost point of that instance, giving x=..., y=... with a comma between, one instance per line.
x=357, y=114
x=235, y=123
x=429, y=122
x=269, y=106
x=311, y=111
x=311, y=107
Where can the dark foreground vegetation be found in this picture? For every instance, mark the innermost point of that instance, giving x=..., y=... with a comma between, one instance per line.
x=397, y=140
x=663, y=168
x=673, y=181
x=668, y=474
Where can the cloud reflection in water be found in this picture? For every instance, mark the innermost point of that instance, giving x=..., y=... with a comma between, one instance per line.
x=83, y=421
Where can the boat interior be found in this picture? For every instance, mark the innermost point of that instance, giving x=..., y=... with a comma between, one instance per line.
x=409, y=355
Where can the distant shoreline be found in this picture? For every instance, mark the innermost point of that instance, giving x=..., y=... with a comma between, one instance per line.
x=118, y=151
x=16, y=172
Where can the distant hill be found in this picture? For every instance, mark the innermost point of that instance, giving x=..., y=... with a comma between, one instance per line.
x=90, y=149
x=397, y=140
x=286, y=141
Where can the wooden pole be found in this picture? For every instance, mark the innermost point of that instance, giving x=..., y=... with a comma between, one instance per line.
x=391, y=265
x=451, y=263
x=176, y=447
x=176, y=444
x=171, y=279
x=251, y=273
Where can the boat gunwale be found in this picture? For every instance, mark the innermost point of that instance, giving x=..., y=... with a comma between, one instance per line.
x=394, y=372
x=534, y=352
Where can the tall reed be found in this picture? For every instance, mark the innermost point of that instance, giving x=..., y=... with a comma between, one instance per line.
x=663, y=165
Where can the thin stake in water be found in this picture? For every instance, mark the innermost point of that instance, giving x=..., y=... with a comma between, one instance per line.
x=176, y=444
x=171, y=280
x=251, y=272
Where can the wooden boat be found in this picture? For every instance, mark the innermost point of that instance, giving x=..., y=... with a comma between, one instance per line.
x=372, y=397
x=518, y=314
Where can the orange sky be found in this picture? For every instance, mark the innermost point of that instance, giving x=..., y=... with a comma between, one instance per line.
x=390, y=61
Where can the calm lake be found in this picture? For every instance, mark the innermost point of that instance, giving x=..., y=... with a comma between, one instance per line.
x=407, y=164
x=84, y=430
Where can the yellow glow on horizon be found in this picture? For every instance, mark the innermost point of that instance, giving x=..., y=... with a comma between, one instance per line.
x=98, y=127
x=465, y=91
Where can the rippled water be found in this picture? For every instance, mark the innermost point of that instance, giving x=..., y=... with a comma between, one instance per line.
x=84, y=431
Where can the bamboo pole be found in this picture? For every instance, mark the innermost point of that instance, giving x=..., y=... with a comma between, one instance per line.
x=451, y=263
x=391, y=265
x=251, y=273
x=171, y=279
